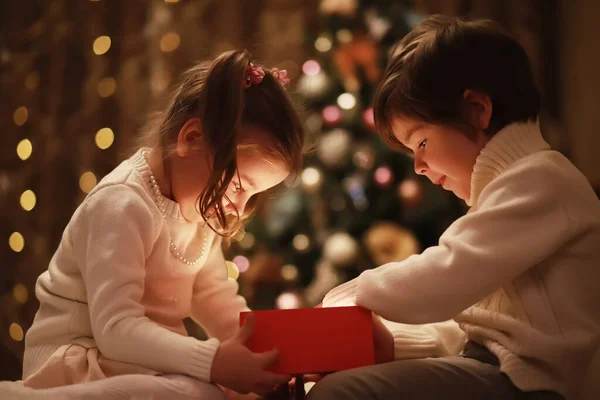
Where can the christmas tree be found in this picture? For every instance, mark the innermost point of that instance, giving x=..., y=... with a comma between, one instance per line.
x=356, y=204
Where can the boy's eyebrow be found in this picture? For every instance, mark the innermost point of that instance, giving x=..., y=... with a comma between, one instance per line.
x=406, y=138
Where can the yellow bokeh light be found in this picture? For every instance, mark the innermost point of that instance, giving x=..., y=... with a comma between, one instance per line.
x=323, y=44
x=101, y=45
x=169, y=42
x=107, y=86
x=105, y=137
x=16, y=242
x=20, y=293
x=28, y=200
x=32, y=80
x=20, y=116
x=87, y=181
x=24, y=149
x=16, y=332
x=233, y=271
x=301, y=242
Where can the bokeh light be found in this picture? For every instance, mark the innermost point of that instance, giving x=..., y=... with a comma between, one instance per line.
x=87, y=181
x=105, y=138
x=28, y=200
x=242, y=263
x=24, y=149
x=16, y=241
x=101, y=45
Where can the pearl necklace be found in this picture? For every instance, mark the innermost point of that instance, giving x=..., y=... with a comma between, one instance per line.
x=160, y=203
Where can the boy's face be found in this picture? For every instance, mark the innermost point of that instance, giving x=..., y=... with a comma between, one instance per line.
x=443, y=154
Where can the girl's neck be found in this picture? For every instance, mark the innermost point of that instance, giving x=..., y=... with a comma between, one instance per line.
x=157, y=165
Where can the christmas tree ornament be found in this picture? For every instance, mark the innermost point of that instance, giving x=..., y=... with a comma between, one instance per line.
x=411, y=192
x=334, y=147
x=389, y=242
x=341, y=250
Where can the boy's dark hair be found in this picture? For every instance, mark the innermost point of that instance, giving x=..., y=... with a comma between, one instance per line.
x=432, y=66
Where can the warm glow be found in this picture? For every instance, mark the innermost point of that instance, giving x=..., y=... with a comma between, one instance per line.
x=346, y=101
x=289, y=272
x=323, y=44
x=87, y=181
x=20, y=293
x=311, y=177
x=16, y=332
x=20, y=116
x=107, y=86
x=169, y=42
x=301, y=242
x=344, y=36
x=101, y=45
x=105, y=138
x=233, y=272
x=24, y=149
x=28, y=200
x=32, y=80
x=16, y=242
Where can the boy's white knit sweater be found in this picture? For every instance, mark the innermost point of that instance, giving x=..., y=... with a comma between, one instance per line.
x=520, y=272
x=114, y=284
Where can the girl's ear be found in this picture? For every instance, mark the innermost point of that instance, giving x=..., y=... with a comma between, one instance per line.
x=189, y=133
x=477, y=108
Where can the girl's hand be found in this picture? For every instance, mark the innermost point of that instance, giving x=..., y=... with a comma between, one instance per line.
x=383, y=342
x=237, y=368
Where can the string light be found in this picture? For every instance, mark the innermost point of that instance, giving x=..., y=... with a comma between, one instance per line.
x=344, y=36
x=247, y=241
x=242, y=263
x=24, y=149
x=289, y=272
x=32, y=80
x=28, y=200
x=233, y=271
x=20, y=293
x=301, y=242
x=107, y=86
x=169, y=42
x=105, y=137
x=332, y=114
x=87, y=181
x=16, y=241
x=323, y=44
x=311, y=178
x=311, y=68
x=20, y=116
x=346, y=101
x=101, y=45
x=16, y=332
x=287, y=301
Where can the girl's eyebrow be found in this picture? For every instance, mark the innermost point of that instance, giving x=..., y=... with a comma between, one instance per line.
x=249, y=181
x=411, y=131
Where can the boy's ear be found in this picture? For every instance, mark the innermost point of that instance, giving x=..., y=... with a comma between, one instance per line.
x=188, y=134
x=477, y=108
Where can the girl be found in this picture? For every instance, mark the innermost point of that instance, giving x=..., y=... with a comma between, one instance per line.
x=143, y=251
x=519, y=272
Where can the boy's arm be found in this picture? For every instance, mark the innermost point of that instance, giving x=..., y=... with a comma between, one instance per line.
x=216, y=304
x=520, y=222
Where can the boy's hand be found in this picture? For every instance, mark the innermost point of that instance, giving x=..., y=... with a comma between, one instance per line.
x=237, y=368
x=383, y=342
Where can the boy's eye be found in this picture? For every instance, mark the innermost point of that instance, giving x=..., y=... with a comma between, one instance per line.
x=422, y=144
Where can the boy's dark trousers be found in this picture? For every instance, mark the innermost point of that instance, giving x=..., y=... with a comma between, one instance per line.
x=474, y=375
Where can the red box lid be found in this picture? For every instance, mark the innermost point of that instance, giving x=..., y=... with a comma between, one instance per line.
x=314, y=340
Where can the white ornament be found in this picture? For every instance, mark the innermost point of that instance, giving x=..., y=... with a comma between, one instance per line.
x=341, y=249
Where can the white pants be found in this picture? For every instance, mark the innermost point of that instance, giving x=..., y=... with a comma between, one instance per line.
x=123, y=387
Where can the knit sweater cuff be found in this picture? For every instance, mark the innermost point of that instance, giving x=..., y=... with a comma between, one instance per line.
x=341, y=296
x=201, y=359
x=410, y=345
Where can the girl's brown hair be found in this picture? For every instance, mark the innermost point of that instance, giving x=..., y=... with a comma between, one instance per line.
x=432, y=66
x=214, y=92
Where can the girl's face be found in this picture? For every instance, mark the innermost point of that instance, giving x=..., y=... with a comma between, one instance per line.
x=256, y=173
x=443, y=154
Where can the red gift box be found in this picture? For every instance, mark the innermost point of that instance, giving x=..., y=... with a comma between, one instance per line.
x=314, y=340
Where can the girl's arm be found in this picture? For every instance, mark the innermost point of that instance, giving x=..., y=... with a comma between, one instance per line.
x=115, y=234
x=216, y=305
x=520, y=222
